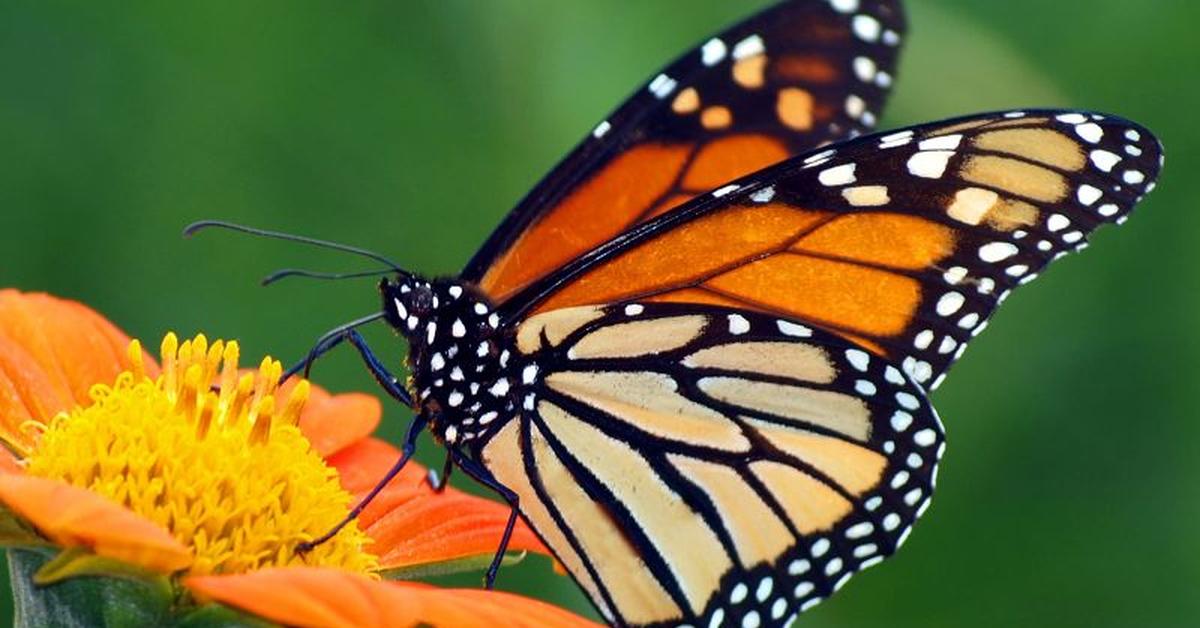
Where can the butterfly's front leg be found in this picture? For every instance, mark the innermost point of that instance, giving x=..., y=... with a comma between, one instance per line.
x=406, y=453
x=389, y=382
x=485, y=477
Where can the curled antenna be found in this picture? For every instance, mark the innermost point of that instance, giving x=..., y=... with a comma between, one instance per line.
x=312, y=274
x=263, y=233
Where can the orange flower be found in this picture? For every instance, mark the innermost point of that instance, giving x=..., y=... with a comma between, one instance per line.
x=210, y=477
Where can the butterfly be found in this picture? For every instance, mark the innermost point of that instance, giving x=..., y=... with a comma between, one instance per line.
x=696, y=357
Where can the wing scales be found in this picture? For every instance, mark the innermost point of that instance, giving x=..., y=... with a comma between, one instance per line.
x=796, y=76
x=904, y=243
x=813, y=497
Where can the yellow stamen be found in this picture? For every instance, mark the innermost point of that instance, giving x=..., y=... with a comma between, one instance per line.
x=227, y=471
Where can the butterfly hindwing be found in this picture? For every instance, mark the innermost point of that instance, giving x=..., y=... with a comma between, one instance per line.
x=904, y=243
x=794, y=77
x=690, y=461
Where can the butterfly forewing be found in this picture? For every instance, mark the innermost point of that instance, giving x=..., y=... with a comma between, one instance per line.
x=690, y=462
x=904, y=243
x=794, y=77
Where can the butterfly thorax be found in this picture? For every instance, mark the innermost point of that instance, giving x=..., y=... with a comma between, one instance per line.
x=457, y=356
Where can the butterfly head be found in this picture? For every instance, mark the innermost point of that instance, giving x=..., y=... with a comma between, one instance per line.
x=408, y=302
x=457, y=356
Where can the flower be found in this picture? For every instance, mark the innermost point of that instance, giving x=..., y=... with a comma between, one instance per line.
x=205, y=478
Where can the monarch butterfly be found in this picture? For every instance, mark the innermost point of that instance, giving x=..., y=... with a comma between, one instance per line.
x=695, y=357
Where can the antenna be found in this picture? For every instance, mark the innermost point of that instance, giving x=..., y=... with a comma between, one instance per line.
x=264, y=233
x=284, y=273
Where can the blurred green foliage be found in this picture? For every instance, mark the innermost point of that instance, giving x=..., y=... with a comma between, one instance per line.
x=1067, y=496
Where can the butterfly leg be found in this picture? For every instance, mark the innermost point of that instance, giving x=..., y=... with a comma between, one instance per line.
x=439, y=482
x=485, y=477
x=390, y=383
x=410, y=446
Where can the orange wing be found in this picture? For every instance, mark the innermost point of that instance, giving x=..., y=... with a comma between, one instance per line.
x=904, y=243
x=795, y=77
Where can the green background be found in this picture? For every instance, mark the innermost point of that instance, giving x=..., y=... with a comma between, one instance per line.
x=1068, y=493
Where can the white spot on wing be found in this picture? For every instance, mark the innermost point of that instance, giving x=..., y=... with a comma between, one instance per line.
x=1104, y=160
x=864, y=69
x=713, y=51
x=907, y=400
x=858, y=359
x=819, y=158
x=946, y=142
x=997, y=251
x=1090, y=132
x=738, y=324
x=1088, y=194
x=901, y=420
x=749, y=47
x=662, y=86
x=844, y=6
x=837, y=175
x=950, y=303
x=925, y=437
x=719, y=192
x=866, y=27
x=954, y=275
x=764, y=195
x=788, y=328
x=929, y=164
x=855, y=106
x=896, y=139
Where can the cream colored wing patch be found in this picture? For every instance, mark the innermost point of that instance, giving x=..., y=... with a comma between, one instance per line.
x=689, y=461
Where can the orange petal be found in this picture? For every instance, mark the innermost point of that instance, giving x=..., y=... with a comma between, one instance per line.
x=8, y=462
x=333, y=422
x=413, y=525
x=310, y=596
x=74, y=517
x=362, y=464
x=52, y=351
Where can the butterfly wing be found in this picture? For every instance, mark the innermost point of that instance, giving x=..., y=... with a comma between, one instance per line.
x=904, y=243
x=692, y=462
x=794, y=77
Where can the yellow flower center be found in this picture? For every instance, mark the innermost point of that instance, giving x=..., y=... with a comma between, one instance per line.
x=211, y=455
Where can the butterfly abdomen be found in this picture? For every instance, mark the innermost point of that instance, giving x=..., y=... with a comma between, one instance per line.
x=458, y=358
